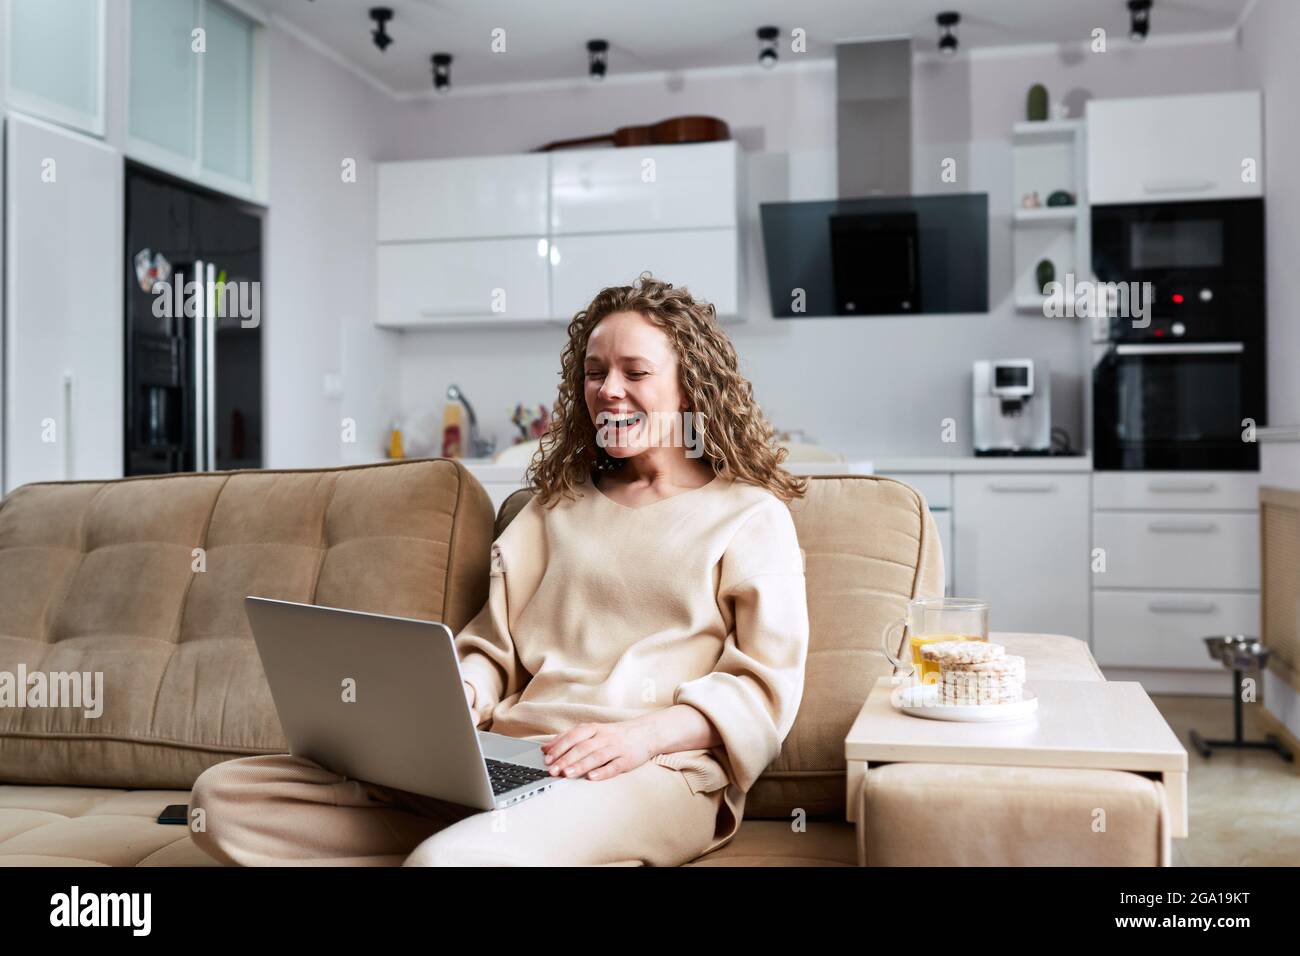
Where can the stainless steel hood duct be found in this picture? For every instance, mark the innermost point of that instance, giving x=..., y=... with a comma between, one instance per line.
x=873, y=100
x=876, y=249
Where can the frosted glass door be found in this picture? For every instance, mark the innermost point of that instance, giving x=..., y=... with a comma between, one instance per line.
x=228, y=94
x=164, y=74
x=56, y=64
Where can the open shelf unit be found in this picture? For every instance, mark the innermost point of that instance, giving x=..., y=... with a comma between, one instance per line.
x=1048, y=156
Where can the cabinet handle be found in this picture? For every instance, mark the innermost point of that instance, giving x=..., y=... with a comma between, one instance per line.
x=1182, y=607
x=1182, y=487
x=1012, y=489
x=1178, y=186
x=1181, y=527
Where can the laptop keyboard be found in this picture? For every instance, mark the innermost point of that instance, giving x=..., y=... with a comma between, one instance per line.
x=508, y=776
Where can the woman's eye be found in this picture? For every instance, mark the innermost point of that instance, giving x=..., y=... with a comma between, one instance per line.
x=636, y=374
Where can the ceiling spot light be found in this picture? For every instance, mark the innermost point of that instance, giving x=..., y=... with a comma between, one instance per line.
x=767, y=53
x=381, y=16
x=597, y=59
x=441, y=72
x=1140, y=19
x=947, y=38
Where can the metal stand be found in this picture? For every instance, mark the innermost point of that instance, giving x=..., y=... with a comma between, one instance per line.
x=1270, y=742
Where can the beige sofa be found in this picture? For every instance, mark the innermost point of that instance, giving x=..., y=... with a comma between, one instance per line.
x=142, y=579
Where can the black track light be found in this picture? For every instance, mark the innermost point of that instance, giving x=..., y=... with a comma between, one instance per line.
x=597, y=59
x=1139, y=19
x=381, y=16
x=767, y=52
x=441, y=72
x=947, y=38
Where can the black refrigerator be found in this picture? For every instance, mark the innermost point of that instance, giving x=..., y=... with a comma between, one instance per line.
x=193, y=328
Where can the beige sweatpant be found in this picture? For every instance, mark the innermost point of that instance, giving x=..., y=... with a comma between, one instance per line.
x=281, y=810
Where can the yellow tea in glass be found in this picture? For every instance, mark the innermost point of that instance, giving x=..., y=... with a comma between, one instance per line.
x=928, y=621
x=929, y=670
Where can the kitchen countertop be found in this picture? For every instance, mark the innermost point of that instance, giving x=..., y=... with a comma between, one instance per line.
x=970, y=463
x=485, y=470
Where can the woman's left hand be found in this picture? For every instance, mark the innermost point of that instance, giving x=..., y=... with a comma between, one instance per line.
x=599, y=751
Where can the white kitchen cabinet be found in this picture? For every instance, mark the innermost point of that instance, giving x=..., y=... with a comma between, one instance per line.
x=1168, y=148
x=63, y=236
x=469, y=282
x=199, y=115
x=936, y=489
x=55, y=55
x=690, y=186
x=1175, y=491
x=1160, y=630
x=1021, y=542
x=476, y=197
x=1178, y=549
x=706, y=261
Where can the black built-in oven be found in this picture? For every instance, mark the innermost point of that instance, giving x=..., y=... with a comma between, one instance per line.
x=1180, y=382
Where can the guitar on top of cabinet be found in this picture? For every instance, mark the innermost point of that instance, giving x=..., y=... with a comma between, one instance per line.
x=676, y=129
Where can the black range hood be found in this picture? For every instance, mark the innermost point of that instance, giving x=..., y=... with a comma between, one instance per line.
x=896, y=255
x=877, y=249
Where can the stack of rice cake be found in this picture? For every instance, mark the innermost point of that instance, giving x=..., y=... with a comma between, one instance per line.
x=976, y=672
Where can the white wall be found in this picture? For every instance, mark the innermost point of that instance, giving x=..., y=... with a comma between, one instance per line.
x=319, y=262
x=865, y=386
x=1270, y=61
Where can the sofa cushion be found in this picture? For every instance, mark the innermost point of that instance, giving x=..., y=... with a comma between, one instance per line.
x=870, y=546
x=83, y=826
x=925, y=814
x=106, y=577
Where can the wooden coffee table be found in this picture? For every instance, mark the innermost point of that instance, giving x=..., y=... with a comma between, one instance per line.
x=1098, y=725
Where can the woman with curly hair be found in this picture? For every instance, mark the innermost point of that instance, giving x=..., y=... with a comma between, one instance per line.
x=647, y=624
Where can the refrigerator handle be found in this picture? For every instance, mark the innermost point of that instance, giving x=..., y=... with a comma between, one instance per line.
x=198, y=386
x=210, y=400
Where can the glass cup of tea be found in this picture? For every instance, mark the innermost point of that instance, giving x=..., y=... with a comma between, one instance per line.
x=928, y=621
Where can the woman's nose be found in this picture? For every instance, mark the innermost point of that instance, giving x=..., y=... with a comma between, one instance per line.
x=612, y=388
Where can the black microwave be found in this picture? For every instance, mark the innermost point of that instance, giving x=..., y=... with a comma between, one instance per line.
x=1199, y=267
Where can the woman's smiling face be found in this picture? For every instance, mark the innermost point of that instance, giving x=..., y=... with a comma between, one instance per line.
x=631, y=383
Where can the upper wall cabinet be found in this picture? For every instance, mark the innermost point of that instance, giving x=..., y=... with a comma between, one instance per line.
x=1175, y=148
x=55, y=55
x=197, y=82
x=481, y=197
x=495, y=240
x=644, y=187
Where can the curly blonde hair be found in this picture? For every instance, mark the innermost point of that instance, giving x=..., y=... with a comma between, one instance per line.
x=736, y=437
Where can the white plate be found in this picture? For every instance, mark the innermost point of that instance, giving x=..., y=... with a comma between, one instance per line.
x=922, y=700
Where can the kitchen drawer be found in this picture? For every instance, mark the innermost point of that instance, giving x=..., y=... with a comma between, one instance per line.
x=1160, y=629
x=1176, y=549
x=935, y=488
x=1176, y=491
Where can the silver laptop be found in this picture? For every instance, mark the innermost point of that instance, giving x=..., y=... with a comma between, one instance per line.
x=380, y=699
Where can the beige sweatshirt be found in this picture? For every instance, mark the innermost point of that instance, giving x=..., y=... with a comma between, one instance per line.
x=602, y=612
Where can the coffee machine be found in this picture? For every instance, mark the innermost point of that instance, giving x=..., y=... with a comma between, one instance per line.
x=1012, y=407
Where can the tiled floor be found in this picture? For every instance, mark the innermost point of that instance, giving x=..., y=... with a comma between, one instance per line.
x=1244, y=806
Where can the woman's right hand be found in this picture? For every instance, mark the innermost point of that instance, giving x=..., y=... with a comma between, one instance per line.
x=469, y=699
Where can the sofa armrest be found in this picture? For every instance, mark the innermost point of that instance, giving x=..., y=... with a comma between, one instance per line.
x=1051, y=656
